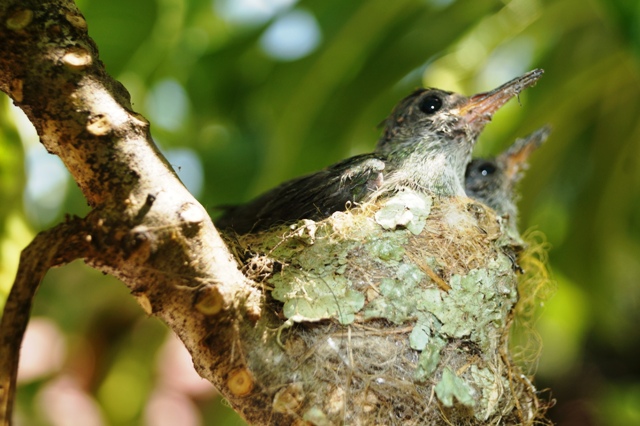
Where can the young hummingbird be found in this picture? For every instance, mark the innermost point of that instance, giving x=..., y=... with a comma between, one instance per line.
x=492, y=181
x=426, y=146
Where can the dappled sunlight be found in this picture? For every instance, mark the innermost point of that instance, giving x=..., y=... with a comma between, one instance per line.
x=62, y=402
x=188, y=166
x=176, y=373
x=43, y=350
x=46, y=185
x=166, y=408
x=167, y=104
x=250, y=11
x=291, y=36
x=46, y=176
x=562, y=326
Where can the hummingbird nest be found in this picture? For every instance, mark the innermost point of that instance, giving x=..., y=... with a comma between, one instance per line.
x=396, y=313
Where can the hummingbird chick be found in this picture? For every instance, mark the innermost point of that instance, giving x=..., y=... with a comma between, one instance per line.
x=426, y=145
x=492, y=181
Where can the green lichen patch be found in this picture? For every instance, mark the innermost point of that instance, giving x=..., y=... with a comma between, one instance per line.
x=313, y=298
x=405, y=210
x=477, y=306
x=315, y=285
x=387, y=249
x=492, y=387
x=422, y=332
x=316, y=416
x=451, y=386
x=429, y=359
x=397, y=301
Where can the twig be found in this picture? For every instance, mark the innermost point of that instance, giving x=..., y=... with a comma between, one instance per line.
x=54, y=247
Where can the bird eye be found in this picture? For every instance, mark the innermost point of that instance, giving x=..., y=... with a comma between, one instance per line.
x=487, y=169
x=430, y=104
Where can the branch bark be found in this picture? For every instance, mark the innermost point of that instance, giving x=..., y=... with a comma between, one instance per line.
x=145, y=227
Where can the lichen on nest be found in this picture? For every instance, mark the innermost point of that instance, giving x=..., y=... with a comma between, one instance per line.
x=403, y=306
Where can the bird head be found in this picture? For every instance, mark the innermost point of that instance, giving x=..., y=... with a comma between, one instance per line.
x=428, y=138
x=436, y=120
x=492, y=181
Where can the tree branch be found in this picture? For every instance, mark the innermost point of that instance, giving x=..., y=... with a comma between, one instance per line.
x=145, y=227
x=55, y=247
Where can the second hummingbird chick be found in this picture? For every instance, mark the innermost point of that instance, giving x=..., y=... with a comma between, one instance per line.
x=492, y=181
x=426, y=145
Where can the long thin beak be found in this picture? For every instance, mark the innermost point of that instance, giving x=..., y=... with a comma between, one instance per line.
x=480, y=108
x=514, y=160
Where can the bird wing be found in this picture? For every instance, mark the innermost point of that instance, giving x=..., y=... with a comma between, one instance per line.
x=315, y=196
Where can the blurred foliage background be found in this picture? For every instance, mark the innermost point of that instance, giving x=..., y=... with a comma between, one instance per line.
x=243, y=94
